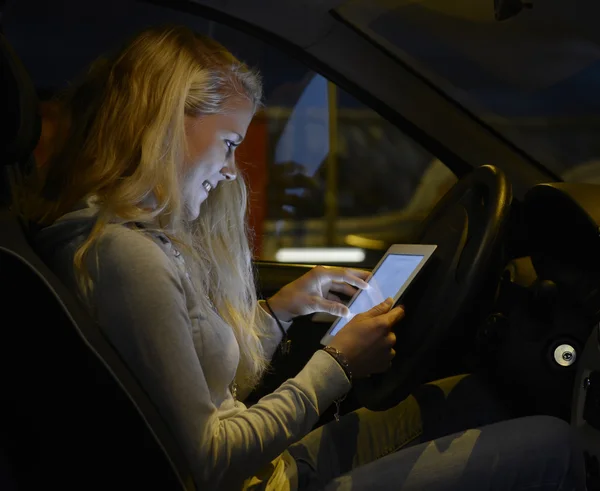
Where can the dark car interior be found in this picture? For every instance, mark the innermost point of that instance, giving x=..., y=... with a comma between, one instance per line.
x=78, y=420
x=513, y=294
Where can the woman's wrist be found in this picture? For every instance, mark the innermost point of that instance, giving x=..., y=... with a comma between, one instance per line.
x=278, y=311
x=285, y=342
x=338, y=356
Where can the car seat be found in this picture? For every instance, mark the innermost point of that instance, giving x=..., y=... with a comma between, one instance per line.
x=72, y=416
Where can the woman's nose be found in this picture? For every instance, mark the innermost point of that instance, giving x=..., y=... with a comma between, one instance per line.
x=228, y=173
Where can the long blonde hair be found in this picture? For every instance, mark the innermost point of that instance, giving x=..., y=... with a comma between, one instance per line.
x=122, y=140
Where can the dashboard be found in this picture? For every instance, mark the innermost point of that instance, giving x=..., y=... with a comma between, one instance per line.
x=563, y=222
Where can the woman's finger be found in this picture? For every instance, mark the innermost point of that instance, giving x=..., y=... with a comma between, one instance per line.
x=320, y=304
x=333, y=297
x=344, y=288
x=342, y=275
x=363, y=274
x=355, y=280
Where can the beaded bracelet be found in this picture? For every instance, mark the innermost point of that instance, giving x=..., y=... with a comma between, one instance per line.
x=341, y=359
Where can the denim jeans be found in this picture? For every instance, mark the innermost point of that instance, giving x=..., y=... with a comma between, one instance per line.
x=449, y=435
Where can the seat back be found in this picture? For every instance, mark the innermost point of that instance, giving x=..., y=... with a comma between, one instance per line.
x=20, y=122
x=71, y=413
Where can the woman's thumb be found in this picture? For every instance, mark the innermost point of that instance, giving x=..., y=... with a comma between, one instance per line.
x=382, y=308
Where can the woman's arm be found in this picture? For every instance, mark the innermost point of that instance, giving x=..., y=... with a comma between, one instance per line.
x=141, y=307
x=270, y=340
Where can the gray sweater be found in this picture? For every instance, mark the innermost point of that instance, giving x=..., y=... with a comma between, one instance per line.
x=147, y=307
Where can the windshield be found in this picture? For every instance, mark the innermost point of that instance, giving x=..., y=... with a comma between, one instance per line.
x=535, y=77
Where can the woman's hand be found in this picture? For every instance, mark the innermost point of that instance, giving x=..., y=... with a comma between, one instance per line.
x=316, y=292
x=367, y=341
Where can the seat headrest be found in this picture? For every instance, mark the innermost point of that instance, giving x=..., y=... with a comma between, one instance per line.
x=20, y=120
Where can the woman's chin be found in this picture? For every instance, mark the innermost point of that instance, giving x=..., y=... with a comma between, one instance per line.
x=190, y=214
x=192, y=203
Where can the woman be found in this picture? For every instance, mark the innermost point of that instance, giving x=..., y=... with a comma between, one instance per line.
x=144, y=217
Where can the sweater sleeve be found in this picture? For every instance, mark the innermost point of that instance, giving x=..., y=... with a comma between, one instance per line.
x=141, y=307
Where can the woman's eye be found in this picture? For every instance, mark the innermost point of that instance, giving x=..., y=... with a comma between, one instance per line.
x=230, y=148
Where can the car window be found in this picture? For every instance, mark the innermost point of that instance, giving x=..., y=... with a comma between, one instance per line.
x=330, y=179
x=339, y=176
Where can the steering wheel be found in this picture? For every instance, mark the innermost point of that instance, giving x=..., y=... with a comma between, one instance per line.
x=467, y=225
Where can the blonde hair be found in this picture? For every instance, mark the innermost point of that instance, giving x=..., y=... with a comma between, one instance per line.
x=122, y=139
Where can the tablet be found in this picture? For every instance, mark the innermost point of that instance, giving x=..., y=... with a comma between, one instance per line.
x=391, y=277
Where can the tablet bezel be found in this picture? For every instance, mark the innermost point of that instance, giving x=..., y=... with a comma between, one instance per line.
x=401, y=249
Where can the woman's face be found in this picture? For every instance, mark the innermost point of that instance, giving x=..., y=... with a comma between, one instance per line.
x=211, y=143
